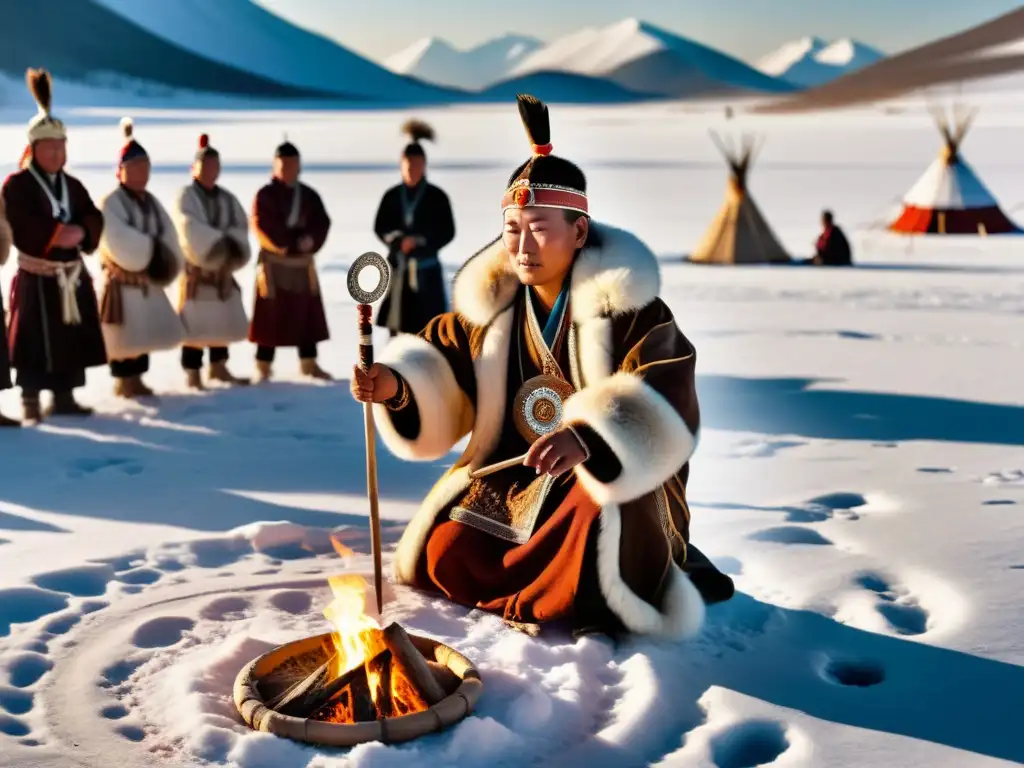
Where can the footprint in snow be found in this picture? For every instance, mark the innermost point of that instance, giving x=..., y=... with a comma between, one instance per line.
x=131, y=732
x=226, y=609
x=13, y=727
x=16, y=702
x=82, y=467
x=83, y=581
x=119, y=672
x=749, y=744
x=162, y=632
x=61, y=624
x=858, y=673
x=292, y=601
x=896, y=604
x=790, y=534
x=21, y=605
x=25, y=668
x=114, y=712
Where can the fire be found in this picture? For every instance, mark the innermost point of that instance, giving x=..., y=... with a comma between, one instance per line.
x=357, y=640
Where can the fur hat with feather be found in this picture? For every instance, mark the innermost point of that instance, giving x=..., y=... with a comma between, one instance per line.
x=44, y=125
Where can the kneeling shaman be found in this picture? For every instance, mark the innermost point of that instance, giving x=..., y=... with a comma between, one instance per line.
x=560, y=349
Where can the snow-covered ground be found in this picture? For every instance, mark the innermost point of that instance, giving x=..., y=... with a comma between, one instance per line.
x=861, y=475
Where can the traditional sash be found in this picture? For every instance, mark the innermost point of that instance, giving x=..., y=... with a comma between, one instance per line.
x=294, y=274
x=66, y=274
x=112, y=303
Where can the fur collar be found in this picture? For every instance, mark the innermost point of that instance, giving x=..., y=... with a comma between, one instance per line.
x=617, y=276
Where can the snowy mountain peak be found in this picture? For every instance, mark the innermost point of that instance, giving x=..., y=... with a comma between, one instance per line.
x=848, y=52
x=811, y=61
x=438, y=61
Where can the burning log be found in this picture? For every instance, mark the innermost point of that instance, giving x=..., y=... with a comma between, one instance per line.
x=413, y=665
x=350, y=698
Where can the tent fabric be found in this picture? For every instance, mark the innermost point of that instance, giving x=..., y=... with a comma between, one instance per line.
x=739, y=234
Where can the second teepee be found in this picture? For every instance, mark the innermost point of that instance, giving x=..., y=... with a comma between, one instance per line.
x=950, y=198
x=739, y=233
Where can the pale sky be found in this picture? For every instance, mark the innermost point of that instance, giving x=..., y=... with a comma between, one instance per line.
x=747, y=29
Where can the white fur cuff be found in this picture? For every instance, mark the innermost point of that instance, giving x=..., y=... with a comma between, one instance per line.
x=445, y=411
x=646, y=434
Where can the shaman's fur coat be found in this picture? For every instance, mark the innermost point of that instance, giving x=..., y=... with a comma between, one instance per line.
x=634, y=375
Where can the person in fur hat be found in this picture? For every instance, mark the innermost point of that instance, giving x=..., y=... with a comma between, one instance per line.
x=291, y=224
x=140, y=256
x=569, y=503
x=414, y=220
x=214, y=234
x=5, y=361
x=54, y=332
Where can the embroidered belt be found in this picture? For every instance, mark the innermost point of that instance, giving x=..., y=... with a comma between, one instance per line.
x=66, y=273
x=221, y=279
x=294, y=274
x=112, y=303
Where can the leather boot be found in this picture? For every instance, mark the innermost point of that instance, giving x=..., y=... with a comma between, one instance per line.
x=140, y=388
x=193, y=380
x=32, y=414
x=8, y=422
x=262, y=371
x=219, y=372
x=64, y=404
x=309, y=367
x=122, y=387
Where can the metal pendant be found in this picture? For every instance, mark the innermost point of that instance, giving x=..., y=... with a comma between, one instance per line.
x=539, y=406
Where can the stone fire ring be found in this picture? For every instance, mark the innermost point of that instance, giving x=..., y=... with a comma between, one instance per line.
x=448, y=664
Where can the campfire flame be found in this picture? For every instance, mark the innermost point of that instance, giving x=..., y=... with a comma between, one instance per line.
x=357, y=640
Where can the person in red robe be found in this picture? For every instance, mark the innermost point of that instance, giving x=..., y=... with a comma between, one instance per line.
x=54, y=333
x=291, y=225
x=568, y=505
x=5, y=361
x=832, y=249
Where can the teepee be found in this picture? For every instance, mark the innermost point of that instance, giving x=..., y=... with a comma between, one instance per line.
x=949, y=198
x=739, y=233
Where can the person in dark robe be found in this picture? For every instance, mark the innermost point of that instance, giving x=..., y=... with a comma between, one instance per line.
x=568, y=505
x=832, y=248
x=140, y=255
x=291, y=225
x=214, y=234
x=54, y=333
x=5, y=361
x=414, y=220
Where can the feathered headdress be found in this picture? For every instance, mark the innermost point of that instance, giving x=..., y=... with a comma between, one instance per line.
x=417, y=131
x=44, y=125
x=545, y=180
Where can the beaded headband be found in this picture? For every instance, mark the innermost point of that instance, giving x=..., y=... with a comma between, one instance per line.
x=523, y=194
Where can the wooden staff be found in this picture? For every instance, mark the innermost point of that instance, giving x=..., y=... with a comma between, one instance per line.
x=365, y=361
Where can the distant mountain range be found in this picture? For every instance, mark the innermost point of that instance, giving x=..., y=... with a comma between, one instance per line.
x=233, y=53
x=811, y=61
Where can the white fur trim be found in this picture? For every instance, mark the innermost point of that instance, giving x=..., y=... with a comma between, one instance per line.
x=446, y=414
x=130, y=247
x=646, y=434
x=618, y=276
x=414, y=537
x=198, y=236
x=683, y=609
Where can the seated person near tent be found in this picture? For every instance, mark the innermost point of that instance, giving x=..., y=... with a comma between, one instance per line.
x=560, y=349
x=832, y=248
